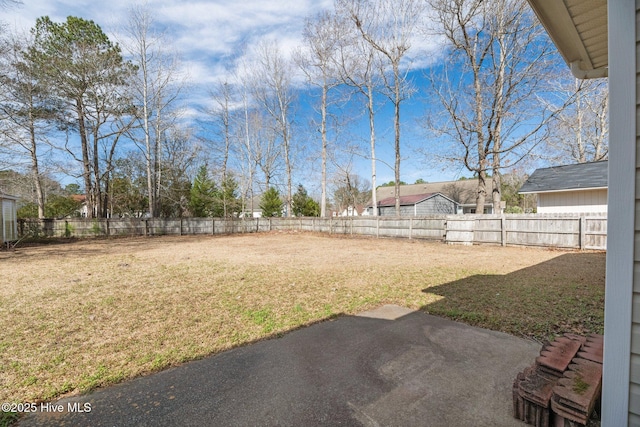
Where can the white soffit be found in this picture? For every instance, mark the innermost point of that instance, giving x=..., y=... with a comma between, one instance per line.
x=579, y=30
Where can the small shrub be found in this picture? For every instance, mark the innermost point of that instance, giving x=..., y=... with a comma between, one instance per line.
x=95, y=228
x=68, y=229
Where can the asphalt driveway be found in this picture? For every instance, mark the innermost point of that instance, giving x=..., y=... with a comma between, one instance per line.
x=388, y=367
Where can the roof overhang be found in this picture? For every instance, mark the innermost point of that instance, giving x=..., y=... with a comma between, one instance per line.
x=7, y=197
x=578, y=28
x=564, y=190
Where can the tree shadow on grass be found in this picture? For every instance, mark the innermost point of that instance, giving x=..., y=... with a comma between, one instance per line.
x=564, y=294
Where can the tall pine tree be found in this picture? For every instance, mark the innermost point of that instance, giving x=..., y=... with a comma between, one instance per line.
x=203, y=194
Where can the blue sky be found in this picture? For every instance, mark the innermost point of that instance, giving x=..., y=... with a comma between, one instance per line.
x=210, y=36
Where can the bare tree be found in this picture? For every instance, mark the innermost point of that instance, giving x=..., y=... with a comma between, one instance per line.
x=179, y=154
x=256, y=149
x=388, y=27
x=273, y=91
x=351, y=192
x=248, y=157
x=265, y=147
x=322, y=36
x=359, y=64
x=580, y=133
x=156, y=90
x=221, y=117
x=26, y=112
x=492, y=113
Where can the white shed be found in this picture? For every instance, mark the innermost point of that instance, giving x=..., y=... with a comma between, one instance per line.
x=8, y=218
x=578, y=188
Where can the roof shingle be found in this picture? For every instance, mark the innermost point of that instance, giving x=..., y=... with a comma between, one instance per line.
x=405, y=200
x=581, y=176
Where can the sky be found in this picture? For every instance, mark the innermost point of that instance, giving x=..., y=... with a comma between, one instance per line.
x=211, y=38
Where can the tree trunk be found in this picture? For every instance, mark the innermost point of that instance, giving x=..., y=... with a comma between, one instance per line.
x=287, y=157
x=97, y=188
x=496, y=194
x=35, y=171
x=86, y=162
x=496, y=190
x=372, y=136
x=323, y=130
x=481, y=195
x=482, y=155
x=157, y=167
x=396, y=120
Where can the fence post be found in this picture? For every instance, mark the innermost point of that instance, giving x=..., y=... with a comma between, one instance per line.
x=181, y=226
x=446, y=229
x=583, y=232
x=503, y=230
x=410, y=227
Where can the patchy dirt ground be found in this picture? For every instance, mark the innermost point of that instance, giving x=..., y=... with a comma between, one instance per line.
x=89, y=313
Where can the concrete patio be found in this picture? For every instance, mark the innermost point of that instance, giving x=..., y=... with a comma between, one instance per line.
x=387, y=367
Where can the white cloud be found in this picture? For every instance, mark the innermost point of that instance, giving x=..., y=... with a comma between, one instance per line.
x=211, y=36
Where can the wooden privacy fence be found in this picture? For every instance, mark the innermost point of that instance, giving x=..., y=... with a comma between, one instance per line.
x=561, y=231
x=558, y=231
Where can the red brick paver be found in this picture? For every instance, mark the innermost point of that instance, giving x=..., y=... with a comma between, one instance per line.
x=564, y=383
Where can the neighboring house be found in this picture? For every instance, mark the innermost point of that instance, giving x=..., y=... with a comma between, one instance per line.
x=598, y=38
x=580, y=188
x=83, y=210
x=81, y=199
x=252, y=208
x=462, y=192
x=8, y=218
x=351, y=211
x=418, y=205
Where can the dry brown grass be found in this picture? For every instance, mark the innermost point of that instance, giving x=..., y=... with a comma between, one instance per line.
x=90, y=313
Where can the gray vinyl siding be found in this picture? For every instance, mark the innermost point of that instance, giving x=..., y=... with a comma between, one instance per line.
x=391, y=210
x=435, y=205
x=387, y=211
x=634, y=377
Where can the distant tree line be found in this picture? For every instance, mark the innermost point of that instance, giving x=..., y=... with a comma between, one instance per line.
x=107, y=112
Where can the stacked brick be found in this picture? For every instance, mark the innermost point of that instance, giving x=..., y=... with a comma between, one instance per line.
x=563, y=385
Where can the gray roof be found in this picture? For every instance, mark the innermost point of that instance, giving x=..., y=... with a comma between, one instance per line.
x=462, y=192
x=411, y=200
x=582, y=176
